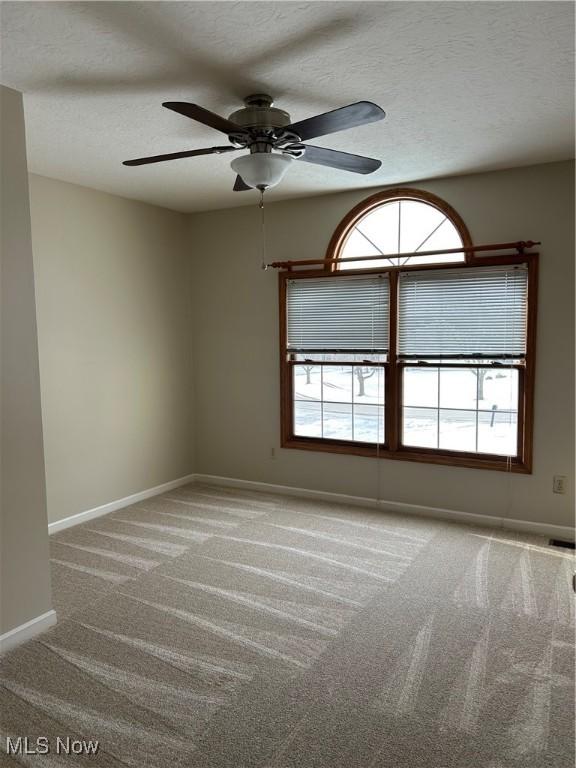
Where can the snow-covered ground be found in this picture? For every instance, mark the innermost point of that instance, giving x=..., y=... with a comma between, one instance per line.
x=441, y=407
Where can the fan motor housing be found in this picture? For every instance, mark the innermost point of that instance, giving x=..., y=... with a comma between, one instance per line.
x=259, y=113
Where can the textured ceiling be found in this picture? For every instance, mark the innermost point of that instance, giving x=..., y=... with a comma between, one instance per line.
x=466, y=87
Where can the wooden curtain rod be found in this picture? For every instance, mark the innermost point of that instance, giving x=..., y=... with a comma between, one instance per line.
x=519, y=246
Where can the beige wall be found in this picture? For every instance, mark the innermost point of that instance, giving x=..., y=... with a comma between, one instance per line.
x=115, y=351
x=24, y=570
x=235, y=319
x=116, y=333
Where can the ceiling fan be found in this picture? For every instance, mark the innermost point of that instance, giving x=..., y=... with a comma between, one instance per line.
x=273, y=141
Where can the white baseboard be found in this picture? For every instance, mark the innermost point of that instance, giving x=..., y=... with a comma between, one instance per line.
x=527, y=526
x=27, y=631
x=112, y=506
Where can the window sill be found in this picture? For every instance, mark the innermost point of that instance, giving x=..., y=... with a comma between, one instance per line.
x=422, y=455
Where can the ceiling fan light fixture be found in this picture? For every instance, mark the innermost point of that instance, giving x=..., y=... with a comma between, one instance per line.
x=262, y=170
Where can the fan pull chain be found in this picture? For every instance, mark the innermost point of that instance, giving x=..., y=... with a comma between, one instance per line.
x=264, y=265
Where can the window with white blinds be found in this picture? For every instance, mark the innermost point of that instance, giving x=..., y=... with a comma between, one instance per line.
x=406, y=356
x=467, y=313
x=338, y=314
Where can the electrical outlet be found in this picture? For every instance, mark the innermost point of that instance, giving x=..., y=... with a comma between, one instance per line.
x=272, y=452
x=559, y=484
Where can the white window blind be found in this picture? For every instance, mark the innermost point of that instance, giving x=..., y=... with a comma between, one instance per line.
x=338, y=314
x=476, y=312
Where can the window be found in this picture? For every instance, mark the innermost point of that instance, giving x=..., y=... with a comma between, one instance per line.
x=338, y=342
x=445, y=317
x=418, y=358
x=397, y=222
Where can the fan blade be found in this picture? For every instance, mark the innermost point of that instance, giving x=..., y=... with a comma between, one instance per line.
x=239, y=185
x=178, y=155
x=338, y=120
x=194, y=112
x=342, y=160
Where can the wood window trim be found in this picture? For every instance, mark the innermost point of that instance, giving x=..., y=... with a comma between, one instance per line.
x=392, y=449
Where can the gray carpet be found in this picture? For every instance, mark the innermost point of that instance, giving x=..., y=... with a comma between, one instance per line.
x=216, y=628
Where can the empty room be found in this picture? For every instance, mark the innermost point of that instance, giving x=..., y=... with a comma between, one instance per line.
x=287, y=384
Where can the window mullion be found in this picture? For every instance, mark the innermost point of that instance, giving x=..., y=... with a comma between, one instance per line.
x=438, y=408
x=477, y=404
x=392, y=384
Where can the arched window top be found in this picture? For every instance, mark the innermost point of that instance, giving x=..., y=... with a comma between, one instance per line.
x=396, y=221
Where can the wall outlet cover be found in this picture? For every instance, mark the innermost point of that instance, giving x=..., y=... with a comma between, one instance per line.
x=559, y=484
